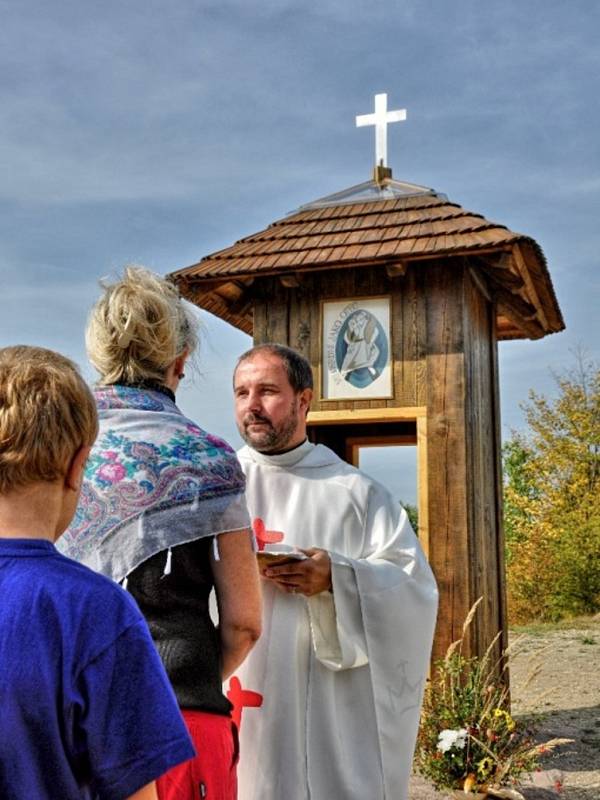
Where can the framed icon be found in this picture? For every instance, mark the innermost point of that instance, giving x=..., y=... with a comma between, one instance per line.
x=357, y=349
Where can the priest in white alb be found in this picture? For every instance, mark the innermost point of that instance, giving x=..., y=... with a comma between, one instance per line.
x=328, y=702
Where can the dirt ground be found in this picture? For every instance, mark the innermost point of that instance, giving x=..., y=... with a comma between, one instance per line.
x=565, y=699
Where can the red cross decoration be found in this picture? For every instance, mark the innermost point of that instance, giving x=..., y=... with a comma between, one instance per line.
x=240, y=699
x=263, y=536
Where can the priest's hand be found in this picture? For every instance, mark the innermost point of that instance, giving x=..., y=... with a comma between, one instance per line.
x=308, y=576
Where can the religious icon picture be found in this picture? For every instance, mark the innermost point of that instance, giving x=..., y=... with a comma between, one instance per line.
x=356, y=349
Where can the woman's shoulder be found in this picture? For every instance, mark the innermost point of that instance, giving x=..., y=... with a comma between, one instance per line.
x=146, y=417
x=202, y=437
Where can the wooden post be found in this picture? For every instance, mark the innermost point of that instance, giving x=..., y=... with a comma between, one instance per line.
x=463, y=459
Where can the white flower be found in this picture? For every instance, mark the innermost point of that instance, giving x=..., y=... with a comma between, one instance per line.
x=449, y=738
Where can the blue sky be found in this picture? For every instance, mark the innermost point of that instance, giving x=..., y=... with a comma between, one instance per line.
x=156, y=132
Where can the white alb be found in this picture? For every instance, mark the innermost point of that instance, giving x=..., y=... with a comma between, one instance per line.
x=341, y=674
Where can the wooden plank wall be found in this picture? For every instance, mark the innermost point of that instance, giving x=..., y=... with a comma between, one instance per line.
x=293, y=316
x=445, y=358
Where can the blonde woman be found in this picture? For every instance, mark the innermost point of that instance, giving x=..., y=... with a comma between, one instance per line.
x=162, y=511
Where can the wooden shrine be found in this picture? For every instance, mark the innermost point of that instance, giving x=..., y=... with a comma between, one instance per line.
x=398, y=297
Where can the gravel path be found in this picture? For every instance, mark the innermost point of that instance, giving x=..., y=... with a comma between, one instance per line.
x=565, y=699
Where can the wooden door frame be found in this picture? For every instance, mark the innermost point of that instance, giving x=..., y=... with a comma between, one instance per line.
x=354, y=443
x=417, y=414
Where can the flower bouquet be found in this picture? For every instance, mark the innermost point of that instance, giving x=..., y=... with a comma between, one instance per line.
x=468, y=740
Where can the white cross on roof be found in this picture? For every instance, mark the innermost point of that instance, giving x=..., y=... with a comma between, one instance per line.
x=381, y=118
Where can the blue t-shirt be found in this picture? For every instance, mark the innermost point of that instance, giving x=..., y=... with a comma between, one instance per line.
x=86, y=710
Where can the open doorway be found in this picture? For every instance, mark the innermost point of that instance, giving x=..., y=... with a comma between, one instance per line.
x=393, y=452
x=396, y=467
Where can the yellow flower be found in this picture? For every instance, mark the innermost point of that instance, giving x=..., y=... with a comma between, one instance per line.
x=509, y=721
x=485, y=765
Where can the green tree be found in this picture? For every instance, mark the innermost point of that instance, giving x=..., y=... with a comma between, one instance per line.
x=552, y=501
x=412, y=513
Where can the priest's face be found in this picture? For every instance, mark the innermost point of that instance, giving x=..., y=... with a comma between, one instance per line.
x=270, y=415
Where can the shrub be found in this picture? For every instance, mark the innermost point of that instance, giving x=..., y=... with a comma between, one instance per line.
x=552, y=503
x=467, y=738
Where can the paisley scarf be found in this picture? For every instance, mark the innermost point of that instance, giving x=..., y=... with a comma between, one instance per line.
x=153, y=480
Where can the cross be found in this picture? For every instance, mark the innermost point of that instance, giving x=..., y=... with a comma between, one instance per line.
x=241, y=698
x=381, y=118
x=263, y=536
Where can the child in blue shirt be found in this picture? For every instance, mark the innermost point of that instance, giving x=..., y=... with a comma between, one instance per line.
x=86, y=710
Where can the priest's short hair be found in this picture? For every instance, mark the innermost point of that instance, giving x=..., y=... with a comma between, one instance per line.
x=298, y=370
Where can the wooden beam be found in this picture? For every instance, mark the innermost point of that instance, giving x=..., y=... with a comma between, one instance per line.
x=291, y=280
x=499, y=267
x=211, y=284
x=220, y=307
x=479, y=281
x=522, y=314
x=538, y=272
x=500, y=260
x=195, y=295
x=422, y=485
x=531, y=290
x=520, y=307
x=241, y=307
x=498, y=508
x=222, y=289
x=390, y=440
x=396, y=270
x=448, y=475
x=199, y=285
x=354, y=443
x=530, y=328
x=344, y=416
x=506, y=328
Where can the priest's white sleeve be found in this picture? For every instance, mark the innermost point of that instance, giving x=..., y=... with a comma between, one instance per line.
x=336, y=621
x=391, y=565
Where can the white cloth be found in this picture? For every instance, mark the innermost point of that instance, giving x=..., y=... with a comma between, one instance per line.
x=341, y=674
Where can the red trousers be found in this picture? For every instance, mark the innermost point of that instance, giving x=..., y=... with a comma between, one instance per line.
x=211, y=775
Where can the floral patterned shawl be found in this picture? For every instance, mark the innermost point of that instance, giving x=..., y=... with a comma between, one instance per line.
x=154, y=480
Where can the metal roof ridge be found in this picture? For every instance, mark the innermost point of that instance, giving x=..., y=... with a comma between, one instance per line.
x=344, y=196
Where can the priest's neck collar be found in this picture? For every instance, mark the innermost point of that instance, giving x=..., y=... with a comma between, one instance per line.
x=286, y=459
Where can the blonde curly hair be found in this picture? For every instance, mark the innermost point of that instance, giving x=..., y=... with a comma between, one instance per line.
x=138, y=327
x=47, y=413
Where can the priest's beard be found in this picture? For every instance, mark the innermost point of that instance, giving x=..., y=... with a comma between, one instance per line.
x=271, y=438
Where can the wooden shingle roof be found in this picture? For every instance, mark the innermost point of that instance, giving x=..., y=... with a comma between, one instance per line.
x=389, y=233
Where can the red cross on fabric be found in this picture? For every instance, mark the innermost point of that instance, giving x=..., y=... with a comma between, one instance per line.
x=263, y=536
x=240, y=699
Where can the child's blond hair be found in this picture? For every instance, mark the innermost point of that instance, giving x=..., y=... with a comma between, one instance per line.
x=47, y=413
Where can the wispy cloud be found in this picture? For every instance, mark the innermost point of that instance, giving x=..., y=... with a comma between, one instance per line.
x=157, y=132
